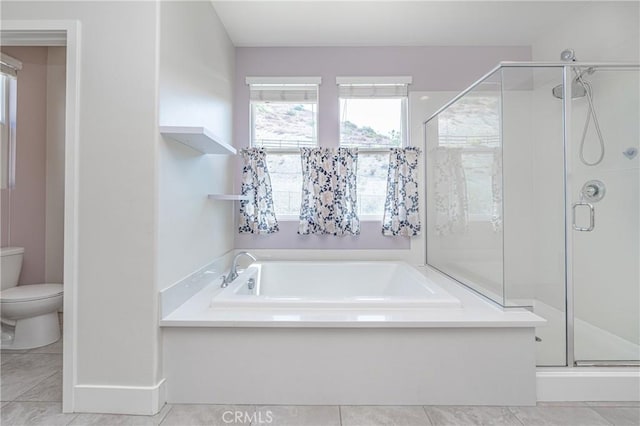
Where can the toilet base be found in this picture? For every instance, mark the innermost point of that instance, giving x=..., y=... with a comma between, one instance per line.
x=33, y=332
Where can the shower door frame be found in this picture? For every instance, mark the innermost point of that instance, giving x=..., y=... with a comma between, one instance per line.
x=567, y=79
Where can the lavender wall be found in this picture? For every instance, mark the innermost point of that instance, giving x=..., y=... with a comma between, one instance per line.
x=432, y=69
x=29, y=196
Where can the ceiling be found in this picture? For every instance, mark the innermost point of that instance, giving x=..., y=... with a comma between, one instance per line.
x=390, y=23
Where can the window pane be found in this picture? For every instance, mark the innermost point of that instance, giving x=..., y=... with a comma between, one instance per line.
x=371, y=123
x=372, y=183
x=283, y=125
x=286, y=182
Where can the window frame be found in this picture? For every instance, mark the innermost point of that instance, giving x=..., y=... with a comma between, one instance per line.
x=404, y=117
x=8, y=127
x=284, y=151
x=405, y=134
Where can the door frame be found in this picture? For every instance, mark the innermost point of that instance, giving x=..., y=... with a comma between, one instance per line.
x=62, y=33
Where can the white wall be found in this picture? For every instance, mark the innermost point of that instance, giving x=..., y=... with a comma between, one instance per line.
x=117, y=300
x=597, y=31
x=517, y=161
x=197, y=62
x=144, y=219
x=142, y=63
x=54, y=238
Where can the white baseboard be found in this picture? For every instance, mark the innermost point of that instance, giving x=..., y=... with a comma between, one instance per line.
x=140, y=400
x=582, y=384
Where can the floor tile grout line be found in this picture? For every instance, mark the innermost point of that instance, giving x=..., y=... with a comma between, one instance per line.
x=8, y=403
x=166, y=415
x=601, y=416
x=424, y=408
x=33, y=387
x=73, y=419
x=514, y=413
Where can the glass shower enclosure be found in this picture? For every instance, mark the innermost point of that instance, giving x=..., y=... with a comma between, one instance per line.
x=533, y=195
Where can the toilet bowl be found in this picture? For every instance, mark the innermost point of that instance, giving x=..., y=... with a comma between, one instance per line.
x=29, y=311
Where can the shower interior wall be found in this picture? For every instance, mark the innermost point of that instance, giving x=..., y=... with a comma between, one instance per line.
x=603, y=262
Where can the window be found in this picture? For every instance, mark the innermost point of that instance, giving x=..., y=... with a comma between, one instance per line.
x=472, y=125
x=284, y=117
x=4, y=99
x=373, y=117
x=285, y=171
x=372, y=122
x=8, y=96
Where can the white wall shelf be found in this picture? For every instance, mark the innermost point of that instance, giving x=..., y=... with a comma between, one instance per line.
x=198, y=138
x=228, y=197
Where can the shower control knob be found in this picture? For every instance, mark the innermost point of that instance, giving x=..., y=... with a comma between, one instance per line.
x=593, y=191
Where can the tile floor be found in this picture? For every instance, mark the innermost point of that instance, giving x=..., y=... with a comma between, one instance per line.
x=31, y=394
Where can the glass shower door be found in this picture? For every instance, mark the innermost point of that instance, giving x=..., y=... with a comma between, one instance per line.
x=604, y=193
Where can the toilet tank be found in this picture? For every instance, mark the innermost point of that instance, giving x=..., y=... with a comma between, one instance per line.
x=11, y=266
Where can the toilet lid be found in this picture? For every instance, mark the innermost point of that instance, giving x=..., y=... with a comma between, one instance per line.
x=25, y=293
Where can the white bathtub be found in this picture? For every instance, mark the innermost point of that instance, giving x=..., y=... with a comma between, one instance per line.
x=333, y=285
x=386, y=332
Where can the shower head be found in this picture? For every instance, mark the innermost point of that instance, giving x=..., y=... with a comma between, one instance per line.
x=577, y=90
x=579, y=87
x=568, y=55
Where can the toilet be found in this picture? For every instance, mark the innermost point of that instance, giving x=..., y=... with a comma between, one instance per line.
x=31, y=311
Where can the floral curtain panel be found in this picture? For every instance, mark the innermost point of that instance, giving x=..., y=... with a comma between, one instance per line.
x=329, y=192
x=451, y=202
x=257, y=215
x=401, y=216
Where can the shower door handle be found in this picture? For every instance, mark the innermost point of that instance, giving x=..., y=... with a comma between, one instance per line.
x=592, y=216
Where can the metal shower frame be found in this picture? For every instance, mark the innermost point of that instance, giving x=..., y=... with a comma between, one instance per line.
x=567, y=79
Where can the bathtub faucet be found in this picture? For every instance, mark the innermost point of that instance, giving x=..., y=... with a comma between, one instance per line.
x=233, y=273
